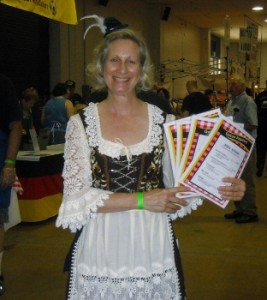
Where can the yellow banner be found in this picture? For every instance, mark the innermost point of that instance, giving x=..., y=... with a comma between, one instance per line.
x=59, y=10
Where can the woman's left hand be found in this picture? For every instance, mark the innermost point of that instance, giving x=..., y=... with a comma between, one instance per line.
x=234, y=191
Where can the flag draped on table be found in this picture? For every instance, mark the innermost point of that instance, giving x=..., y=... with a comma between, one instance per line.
x=59, y=10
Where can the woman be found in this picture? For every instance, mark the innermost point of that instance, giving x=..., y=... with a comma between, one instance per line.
x=115, y=173
x=29, y=98
x=56, y=114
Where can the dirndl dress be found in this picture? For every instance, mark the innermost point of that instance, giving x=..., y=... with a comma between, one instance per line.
x=119, y=255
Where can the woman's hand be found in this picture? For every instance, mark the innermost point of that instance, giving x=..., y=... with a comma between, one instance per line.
x=234, y=191
x=165, y=200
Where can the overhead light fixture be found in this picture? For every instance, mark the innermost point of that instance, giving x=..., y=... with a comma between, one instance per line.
x=257, y=7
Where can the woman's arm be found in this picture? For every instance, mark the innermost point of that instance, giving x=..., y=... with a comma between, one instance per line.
x=158, y=200
x=69, y=108
x=80, y=198
x=8, y=173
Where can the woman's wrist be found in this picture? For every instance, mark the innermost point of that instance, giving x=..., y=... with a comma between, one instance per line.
x=140, y=200
x=10, y=163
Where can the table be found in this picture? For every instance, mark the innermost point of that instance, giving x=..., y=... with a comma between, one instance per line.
x=40, y=177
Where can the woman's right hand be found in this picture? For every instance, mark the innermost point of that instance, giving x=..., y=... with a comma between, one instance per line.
x=165, y=200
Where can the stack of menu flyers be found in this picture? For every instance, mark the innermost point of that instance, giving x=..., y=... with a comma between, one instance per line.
x=205, y=148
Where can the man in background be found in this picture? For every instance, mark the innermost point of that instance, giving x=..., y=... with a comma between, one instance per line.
x=10, y=136
x=196, y=102
x=244, y=110
x=261, y=141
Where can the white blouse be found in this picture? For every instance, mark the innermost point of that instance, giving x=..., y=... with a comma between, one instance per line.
x=80, y=198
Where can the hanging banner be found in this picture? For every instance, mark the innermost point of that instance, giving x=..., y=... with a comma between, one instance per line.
x=253, y=29
x=248, y=37
x=58, y=10
x=244, y=41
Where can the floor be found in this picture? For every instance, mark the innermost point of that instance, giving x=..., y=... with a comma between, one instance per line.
x=222, y=260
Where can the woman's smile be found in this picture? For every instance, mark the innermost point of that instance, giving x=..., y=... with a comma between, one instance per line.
x=122, y=69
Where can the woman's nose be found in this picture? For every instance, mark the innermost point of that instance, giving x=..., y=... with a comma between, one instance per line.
x=123, y=66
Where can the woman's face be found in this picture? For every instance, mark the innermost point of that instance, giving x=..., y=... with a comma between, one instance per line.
x=122, y=68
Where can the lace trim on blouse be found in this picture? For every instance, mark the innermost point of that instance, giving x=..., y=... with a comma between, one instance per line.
x=193, y=204
x=116, y=149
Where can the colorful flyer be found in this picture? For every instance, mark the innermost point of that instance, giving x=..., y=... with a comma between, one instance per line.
x=225, y=153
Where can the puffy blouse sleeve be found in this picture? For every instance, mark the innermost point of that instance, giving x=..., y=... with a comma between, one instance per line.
x=168, y=180
x=80, y=199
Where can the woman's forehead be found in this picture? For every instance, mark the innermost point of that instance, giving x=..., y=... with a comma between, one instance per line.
x=124, y=47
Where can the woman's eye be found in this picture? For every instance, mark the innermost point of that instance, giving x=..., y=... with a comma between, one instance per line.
x=114, y=59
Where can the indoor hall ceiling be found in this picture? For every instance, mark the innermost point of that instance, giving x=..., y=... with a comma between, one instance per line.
x=210, y=14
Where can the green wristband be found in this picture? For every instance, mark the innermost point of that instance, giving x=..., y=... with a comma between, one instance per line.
x=140, y=200
x=10, y=162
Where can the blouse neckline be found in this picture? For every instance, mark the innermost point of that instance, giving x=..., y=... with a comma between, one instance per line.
x=115, y=148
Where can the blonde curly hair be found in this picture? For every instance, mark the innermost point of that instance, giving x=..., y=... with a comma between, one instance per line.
x=95, y=70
